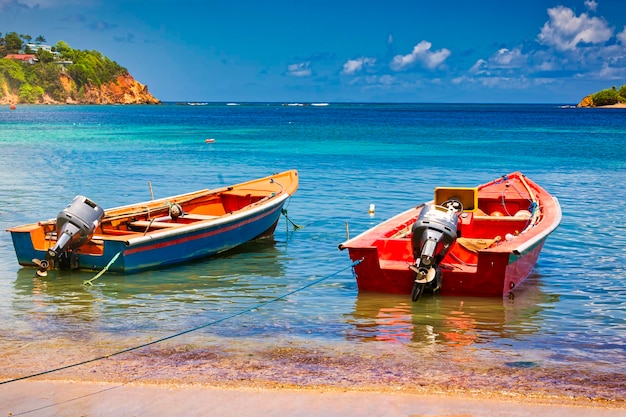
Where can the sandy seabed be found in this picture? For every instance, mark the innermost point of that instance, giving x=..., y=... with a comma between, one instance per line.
x=294, y=379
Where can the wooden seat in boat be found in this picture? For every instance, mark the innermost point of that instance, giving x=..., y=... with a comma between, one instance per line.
x=143, y=224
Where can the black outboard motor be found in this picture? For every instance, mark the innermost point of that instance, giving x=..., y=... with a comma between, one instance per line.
x=434, y=232
x=76, y=224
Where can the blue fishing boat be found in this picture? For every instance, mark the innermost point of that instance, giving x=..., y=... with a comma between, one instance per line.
x=154, y=233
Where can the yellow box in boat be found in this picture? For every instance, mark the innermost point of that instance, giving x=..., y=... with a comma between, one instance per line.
x=467, y=196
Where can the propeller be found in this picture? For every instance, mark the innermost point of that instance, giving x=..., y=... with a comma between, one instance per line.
x=42, y=267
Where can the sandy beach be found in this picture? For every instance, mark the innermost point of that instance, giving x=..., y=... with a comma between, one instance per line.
x=70, y=398
x=296, y=380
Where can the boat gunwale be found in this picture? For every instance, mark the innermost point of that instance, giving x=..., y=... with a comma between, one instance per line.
x=542, y=234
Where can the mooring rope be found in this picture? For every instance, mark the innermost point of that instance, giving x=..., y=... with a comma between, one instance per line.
x=211, y=323
x=295, y=226
x=106, y=268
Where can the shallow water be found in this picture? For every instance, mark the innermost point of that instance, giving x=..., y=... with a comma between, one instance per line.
x=569, y=315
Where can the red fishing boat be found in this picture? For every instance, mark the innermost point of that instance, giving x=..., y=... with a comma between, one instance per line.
x=481, y=241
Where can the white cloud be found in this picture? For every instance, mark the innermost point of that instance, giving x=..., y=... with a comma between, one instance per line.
x=622, y=36
x=591, y=5
x=480, y=67
x=565, y=31
x=353, y=66
x=568, y=46
x=608, y=72
x=421, y=53
x=386, y=80
x=503, y=59
x=301, y=69
x=506, y=58
x=502, y=83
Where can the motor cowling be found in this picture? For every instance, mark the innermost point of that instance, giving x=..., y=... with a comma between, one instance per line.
x=433, y=233
x=75, y=225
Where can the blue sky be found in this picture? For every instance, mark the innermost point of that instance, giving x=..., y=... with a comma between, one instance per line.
x=483, y=51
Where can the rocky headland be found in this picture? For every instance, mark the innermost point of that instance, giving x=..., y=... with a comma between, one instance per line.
x=608, y=98
x=124, y=89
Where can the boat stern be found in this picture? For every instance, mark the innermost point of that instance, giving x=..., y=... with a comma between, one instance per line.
x=29, y=242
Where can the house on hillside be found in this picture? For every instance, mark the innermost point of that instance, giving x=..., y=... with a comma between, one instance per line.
x=32, y=58
x=28, y=58
x=34, y=47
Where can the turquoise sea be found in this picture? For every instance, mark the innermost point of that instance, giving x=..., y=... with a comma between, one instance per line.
x=563, y=332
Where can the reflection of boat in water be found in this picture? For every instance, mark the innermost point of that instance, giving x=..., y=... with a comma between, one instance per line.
x=59, y=306
x=453, y=320
x=255, y=261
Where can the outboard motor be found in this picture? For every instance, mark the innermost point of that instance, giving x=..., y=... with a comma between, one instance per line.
x=434, y=232
x=76, y=224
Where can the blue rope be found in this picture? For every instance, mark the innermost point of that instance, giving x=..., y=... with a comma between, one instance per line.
x=502, y=179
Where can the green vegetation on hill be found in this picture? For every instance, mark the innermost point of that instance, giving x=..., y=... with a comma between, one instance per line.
x=43, y=76
x=609, y=96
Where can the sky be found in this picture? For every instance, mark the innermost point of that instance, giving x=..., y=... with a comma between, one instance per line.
x=419, y=51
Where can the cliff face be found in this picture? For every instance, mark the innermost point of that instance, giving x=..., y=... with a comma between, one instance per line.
x=586, y=102
x=123, y=90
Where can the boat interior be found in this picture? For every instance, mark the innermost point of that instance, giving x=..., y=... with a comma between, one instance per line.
x=124, y=222
x=487, y=219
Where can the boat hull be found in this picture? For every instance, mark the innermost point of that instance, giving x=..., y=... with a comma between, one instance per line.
x=176, y=242
x=497, y=276
x=382, y=254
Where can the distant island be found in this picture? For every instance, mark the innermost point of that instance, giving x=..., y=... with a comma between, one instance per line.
x=611, y=97
x=36, y=73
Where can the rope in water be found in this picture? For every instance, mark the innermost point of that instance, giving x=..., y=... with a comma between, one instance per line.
x=106, y=268
x=295, y=226
x=239, y=313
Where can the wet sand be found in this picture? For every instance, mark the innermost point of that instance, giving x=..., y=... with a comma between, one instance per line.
x=297, y=378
